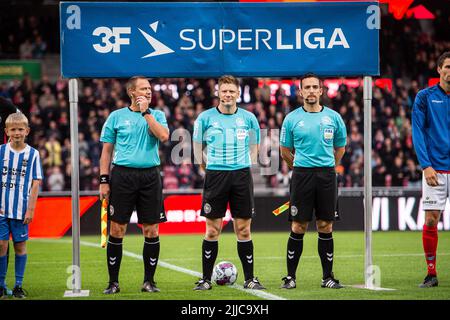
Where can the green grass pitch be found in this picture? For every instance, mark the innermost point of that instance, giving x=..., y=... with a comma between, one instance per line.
x=398, y=255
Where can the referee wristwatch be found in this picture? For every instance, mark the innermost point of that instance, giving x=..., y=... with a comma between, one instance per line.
x=148, y=111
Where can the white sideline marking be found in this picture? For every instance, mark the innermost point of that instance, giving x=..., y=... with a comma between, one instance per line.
x=258, y=293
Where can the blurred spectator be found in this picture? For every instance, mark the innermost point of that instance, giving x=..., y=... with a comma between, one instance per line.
x=95, y=149
x=413, y=174
x=283, y=177
x=397, y=172
x=39, y=48
x=55, y=180
x=184, y=175
x=26, y=49
x=47, y=99
x=356, y=177
x=379, y=173
x=53, y=130
x=53, y=148
x=86, y=173
x=83, y=146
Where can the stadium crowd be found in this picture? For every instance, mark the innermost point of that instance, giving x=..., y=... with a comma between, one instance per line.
x=408, y=58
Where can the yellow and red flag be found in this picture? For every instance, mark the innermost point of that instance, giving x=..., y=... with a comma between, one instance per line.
x=281, y=209
x=104, y=222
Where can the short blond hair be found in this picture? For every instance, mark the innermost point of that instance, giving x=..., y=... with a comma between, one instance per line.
x=228, y=79
x=16, y=118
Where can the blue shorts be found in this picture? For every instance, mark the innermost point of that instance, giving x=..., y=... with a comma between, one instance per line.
x=16, y=228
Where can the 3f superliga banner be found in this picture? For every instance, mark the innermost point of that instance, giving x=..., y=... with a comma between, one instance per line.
x=211, y=39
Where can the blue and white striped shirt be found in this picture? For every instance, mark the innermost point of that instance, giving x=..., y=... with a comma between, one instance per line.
x=19, y=169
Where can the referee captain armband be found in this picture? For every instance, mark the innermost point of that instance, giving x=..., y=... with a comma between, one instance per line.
x=104, y=178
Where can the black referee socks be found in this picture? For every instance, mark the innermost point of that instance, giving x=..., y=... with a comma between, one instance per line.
x=210, y=248
x=245, y=252
x=326, y=251
x=150, y=256
x=114, y=256
x=294, y=251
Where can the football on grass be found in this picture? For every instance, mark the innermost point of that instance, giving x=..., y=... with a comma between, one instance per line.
x=225, y=273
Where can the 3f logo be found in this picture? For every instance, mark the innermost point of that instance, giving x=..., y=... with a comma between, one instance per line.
x=106, y=44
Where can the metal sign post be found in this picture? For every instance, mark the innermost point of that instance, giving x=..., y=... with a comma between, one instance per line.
x=367, y=96
x=75, y=279
x=372, y=274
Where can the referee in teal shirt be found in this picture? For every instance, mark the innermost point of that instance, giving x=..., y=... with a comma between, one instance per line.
x=131, y=139
x=231, y=137
x=313, y=139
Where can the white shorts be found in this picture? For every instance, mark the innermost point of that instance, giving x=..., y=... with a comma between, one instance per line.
x=434, y=198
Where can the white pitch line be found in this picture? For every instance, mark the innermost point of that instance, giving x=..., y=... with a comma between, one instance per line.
x=260, y=294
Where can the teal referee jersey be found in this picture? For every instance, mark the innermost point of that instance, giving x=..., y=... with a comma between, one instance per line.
x=134, y=145
x=313, y=135
x=227, y=137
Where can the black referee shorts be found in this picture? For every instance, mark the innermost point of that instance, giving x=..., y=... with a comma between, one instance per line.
x=313, y=190
x=134, y=188
x=223, y=187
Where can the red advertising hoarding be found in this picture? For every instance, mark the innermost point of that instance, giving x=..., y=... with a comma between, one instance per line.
x=53, y=216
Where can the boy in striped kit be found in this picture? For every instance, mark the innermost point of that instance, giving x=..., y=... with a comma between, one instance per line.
x=21, y=176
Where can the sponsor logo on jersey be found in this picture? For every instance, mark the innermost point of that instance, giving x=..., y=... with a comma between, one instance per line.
x=326, y=120
x=240, y=122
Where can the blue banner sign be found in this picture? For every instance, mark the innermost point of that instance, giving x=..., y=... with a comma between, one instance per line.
x=101, y=39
